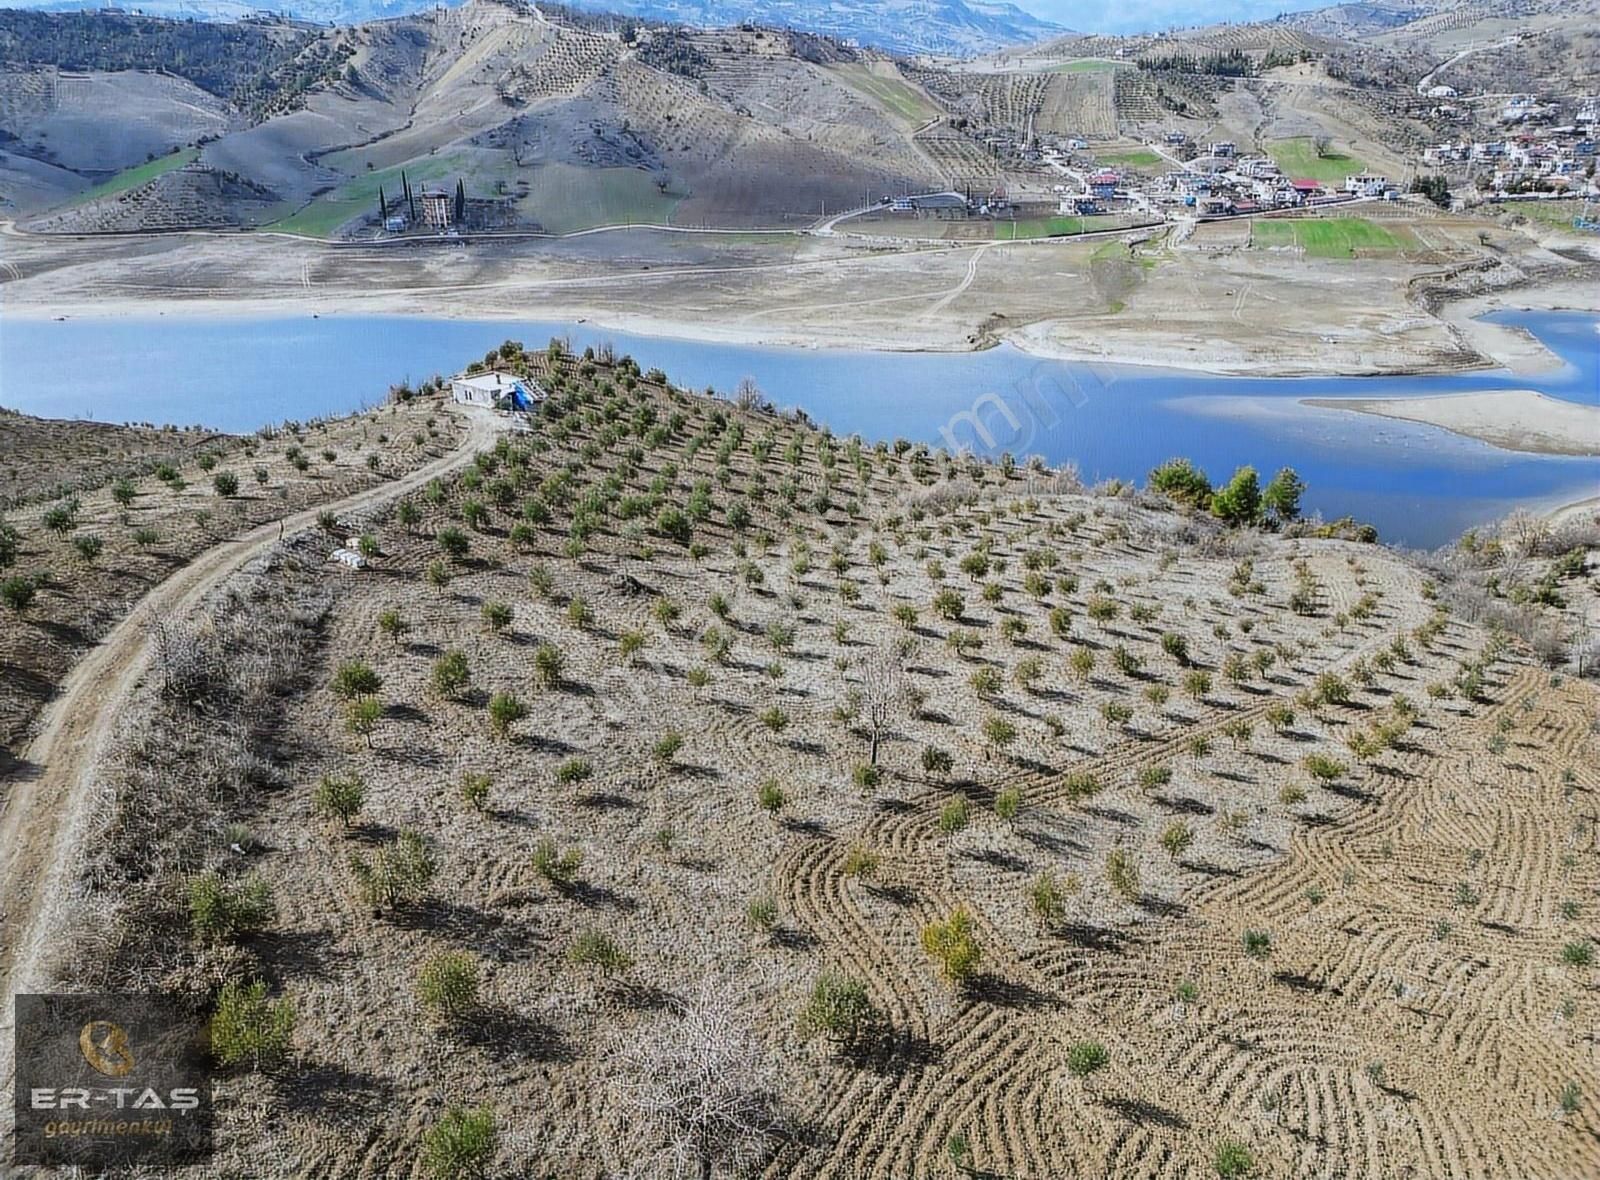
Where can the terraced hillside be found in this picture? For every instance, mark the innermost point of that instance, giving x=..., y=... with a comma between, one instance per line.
x=924, y=811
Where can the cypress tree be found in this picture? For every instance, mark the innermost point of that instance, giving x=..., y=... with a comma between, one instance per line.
x=383, y=207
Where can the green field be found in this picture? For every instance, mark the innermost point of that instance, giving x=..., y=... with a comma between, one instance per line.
x=1086, y=65
x=566, y=197
x=321, y=218
x=1556, y=213
x=140, y=174
x=1332, y=237
x=1298, y=158
x=1133, y=158
x=892, y=93
x=1050, y=227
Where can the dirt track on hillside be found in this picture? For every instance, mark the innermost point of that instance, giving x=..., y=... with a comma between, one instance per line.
x=51, y=785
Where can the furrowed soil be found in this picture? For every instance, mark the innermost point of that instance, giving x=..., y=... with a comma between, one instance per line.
x=1396, y=807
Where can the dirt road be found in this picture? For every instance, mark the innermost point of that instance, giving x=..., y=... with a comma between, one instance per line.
x=49, y=791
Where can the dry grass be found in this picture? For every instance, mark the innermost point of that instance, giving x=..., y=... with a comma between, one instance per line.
x=83, y=590
x=1476, y=1025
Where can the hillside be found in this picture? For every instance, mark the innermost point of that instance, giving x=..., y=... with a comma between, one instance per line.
x=547, y=123
x=972, y=815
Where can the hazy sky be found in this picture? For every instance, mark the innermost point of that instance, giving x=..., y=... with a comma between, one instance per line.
x=1132, y=16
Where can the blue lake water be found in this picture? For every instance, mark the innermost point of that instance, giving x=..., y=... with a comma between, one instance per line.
x=1419, y=485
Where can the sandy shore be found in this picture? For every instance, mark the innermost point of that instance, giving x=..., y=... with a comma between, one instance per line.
x=1510, y=347
x=1513, y=419
x=1250, y=313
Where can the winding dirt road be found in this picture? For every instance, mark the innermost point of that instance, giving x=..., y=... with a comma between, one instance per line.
x=46, y=796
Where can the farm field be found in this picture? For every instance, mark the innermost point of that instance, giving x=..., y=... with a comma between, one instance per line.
x=1558, y=214
x=1328, y=237
x=888, y=89
x=132, y=178
x=977, y=816
x=564, y=198
x=1298, y=158
x=1087, y=65
x=1052, y=227
x=1141, y=158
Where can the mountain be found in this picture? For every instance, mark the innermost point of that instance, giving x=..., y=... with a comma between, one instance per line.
x=954, y=27
x=947, y=27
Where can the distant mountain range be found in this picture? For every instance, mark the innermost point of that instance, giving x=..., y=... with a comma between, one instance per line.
x=947, y=27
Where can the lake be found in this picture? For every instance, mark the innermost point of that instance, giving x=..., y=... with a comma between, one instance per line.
x=1421, y=486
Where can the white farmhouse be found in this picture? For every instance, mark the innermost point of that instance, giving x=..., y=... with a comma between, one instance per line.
x=497, y=390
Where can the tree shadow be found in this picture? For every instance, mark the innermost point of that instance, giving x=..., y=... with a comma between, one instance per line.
x=344, y=1094
x=507, y=1035
x=1143, y=1113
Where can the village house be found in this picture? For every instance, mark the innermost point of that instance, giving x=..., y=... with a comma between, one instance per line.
x=1366, y=184
x=497, y=390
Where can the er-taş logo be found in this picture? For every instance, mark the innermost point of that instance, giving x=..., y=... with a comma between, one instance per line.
x=105, y=1048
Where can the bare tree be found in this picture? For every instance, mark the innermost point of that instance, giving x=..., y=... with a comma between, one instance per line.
x=700, y=1082
x=1322, y=143
x=883, y=690
x=748, y=395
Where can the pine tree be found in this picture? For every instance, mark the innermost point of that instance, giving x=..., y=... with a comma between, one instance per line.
x=461, y=202
x=383, y=207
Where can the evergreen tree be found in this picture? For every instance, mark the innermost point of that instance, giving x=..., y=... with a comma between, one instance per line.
x=461, y=202
x=1281, y=497
x=383, y=207
x=1239, y=500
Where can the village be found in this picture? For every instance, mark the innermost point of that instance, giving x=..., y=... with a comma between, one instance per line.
x=1065, y=184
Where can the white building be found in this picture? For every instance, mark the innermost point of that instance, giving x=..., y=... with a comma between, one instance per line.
x=497, y=390
x=1366, y=184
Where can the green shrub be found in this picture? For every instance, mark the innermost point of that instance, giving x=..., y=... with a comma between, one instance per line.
x=574, y=770
x=953, y=946
x=505, y=710
x=355, y=679
x=838, y=1009
x=225, y=483
x=1232, y=1159
x=339, y=796
x=246, y=1026
x=1086, y=1058
x=475, y=790
x=447, y=984
x=397, y=874
x=593, y=948
x=1257, y=943
x=220, y=910
x=18, y=592
x=954, y=815
x=461, y=1145
x=450, y=673
x=1578, y=954
x=770, y=797
x=497, y=615
x=558, y=867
